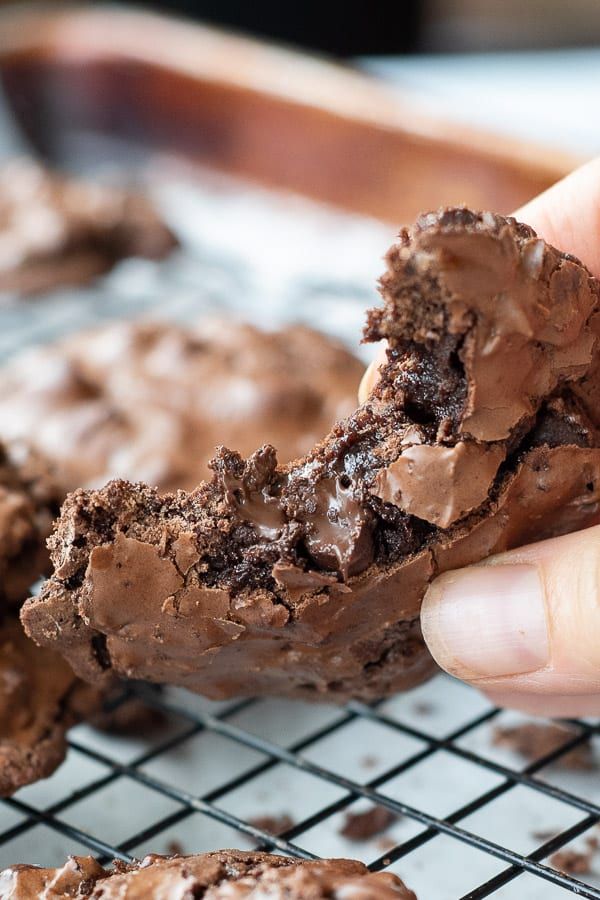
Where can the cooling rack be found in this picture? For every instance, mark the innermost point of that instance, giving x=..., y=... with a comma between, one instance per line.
x=470, y=819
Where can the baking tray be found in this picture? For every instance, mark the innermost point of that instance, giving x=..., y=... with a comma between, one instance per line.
x=243, y=146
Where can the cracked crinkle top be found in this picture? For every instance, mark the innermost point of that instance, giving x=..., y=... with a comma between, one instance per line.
x=307, y=579
x=225, y=875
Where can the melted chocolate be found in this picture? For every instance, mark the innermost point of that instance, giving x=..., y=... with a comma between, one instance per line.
x=339, y=531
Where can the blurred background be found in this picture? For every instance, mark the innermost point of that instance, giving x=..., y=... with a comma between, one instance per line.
x=415, y=26
x=454, y=53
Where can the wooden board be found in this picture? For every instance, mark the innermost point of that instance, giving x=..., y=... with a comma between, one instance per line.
x=255, y=110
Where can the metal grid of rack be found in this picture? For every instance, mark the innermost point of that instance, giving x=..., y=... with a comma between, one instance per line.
x=298, y=761
x=427, y=757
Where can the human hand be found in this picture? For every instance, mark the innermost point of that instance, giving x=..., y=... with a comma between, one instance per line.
x=524, y=626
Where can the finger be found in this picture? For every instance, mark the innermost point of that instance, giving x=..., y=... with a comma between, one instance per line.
x=523, y=622
x=565, y=706
x=568, y=214
x=371, y=376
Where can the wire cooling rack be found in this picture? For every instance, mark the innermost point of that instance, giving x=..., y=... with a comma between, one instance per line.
x=210, y=769
x=471, y=819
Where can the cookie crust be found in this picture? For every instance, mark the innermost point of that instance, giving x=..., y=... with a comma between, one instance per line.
x=224, y=875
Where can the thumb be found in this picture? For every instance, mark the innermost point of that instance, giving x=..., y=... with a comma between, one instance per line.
x=524, y=626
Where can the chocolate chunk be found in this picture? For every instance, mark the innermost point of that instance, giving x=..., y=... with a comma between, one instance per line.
x=30, y=499
x=150, y=401
x=226, y=875
x=306, y=579
x=543, y=835
x=254, y=506
x=40, y=698
x=338, y=534
x=365, y=825
x=534, y=740
x=57, y=231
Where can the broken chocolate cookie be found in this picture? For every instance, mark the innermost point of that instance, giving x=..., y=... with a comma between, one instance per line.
x=225, y=875
x=307, y=579
x=30, y=500
x=58, y=231
x=40, y=698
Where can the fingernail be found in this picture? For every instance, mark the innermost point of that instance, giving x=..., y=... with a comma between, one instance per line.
x=487, y=621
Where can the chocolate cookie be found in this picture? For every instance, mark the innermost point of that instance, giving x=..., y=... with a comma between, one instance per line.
x=40, y=698
x=151, y=401
x=30, y=499
x=307, y=579
x=57, y=231
x=225, y=875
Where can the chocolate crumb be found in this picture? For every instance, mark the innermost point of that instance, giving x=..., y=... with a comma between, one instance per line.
x=534, y=741
x=275, y=825
x=132, y=718
x=384, y=844
x=572, y=862
x=424, y=708
x=175, y=848
x=365, y=825
x=544, y=835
